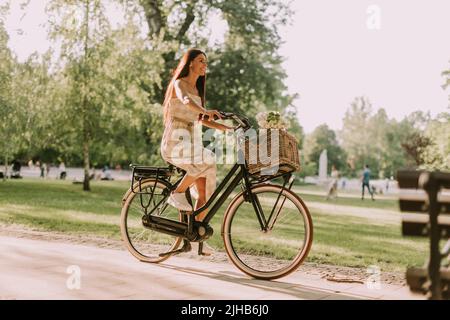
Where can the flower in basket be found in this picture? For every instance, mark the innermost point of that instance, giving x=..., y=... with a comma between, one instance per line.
x=272, y=120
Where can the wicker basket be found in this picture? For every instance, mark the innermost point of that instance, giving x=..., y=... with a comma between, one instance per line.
x=287, y=148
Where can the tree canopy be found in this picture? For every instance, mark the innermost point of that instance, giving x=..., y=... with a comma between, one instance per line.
x=99, y=101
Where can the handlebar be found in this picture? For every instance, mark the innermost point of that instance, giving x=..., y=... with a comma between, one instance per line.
x=243, y=122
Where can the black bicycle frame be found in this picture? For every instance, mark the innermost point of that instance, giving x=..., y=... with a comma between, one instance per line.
x=233, y=178
x=236, y=175
x=233, y=184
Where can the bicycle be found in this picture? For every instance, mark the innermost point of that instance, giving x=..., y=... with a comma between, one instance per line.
x=253, y=224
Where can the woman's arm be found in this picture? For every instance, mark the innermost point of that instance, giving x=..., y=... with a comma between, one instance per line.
x=183, y=96
x=215, y=125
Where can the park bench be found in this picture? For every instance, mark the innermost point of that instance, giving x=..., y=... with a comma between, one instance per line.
x=425, y=205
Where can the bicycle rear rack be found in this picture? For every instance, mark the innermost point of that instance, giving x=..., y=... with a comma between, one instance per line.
x=142, y=173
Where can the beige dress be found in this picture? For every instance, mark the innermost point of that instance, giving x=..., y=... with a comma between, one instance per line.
x=182, y=145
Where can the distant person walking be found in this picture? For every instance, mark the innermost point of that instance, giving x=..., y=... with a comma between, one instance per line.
x=62, y=171
x=16, y=166
x=43, y=167
x=387, y=185
x=332, y=188
x=366, y=182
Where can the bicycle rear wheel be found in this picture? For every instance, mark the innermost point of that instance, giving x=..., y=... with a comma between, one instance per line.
x=143, y=243
x=278, y=251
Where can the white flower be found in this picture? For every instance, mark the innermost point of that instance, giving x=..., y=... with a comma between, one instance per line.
x=272, y=120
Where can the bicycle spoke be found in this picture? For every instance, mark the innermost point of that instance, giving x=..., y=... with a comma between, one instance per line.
x=140, y=235
x=277, y=250
x=145, y=243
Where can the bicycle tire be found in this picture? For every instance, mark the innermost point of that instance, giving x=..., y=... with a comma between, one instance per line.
x=233, y=242
x=152, y=250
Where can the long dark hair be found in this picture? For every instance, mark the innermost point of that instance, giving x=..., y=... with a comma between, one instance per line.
x=182, y=71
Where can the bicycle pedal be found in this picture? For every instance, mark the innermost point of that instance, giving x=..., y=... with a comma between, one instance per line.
x=185, y=248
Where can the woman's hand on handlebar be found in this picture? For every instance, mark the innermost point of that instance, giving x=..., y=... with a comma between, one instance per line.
x=211, y=115
x=242, y=121
x=232, y=116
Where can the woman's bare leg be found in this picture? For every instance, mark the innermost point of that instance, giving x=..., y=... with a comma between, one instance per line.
x=200, y=183
x=184, y=184
x=180, y=191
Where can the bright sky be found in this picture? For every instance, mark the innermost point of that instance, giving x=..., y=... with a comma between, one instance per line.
x=332, y=56
x=393, y=52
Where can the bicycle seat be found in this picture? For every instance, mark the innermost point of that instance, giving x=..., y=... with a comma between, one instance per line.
x=174, y=168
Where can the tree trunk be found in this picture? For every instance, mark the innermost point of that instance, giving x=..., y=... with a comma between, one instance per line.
x=86, y=134
x=154, y=15
x=86, y=184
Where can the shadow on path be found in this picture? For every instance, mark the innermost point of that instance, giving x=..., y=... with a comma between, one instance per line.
x=295, y=290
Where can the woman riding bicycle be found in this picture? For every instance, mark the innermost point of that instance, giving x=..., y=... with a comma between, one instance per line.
x=181, y=145
x=266, y=220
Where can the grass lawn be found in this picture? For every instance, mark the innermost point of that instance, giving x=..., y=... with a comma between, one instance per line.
x=339, y=239
x=389, y=204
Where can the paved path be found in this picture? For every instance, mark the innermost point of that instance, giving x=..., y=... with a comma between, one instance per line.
x=35, y=269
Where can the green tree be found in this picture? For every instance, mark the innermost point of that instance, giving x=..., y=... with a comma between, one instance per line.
x=436, y=155
x=81, y=25
x=374, y=139
x=115, y=73
x=355, y=135
x=33, y=89
x=245, y=73
x=412, y=139
x=129, y=119
x=295, y=128
x=387, y=136
x=446, y=75
x=428, y=142
x=8, y=114
x=102, y=101
x=17, y=103
x=26, y=99
x=394, y=156
x=324, y=138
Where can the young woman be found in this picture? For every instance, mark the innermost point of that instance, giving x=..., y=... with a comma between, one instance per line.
x=181, y=145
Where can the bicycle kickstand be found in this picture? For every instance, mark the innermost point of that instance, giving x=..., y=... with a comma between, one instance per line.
x=185, y=248
x=200, y=250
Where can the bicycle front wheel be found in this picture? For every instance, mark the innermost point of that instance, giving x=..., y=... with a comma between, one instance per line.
x=281, y=245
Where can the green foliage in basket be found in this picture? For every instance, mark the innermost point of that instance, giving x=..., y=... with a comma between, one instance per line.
x=272, y=120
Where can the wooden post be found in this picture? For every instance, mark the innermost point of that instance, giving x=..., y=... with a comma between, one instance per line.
x=432, y=187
